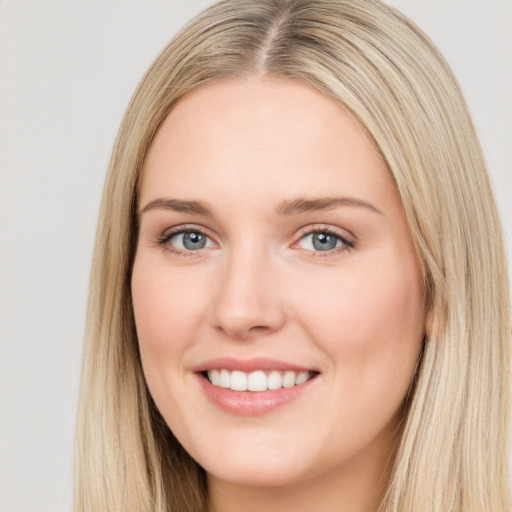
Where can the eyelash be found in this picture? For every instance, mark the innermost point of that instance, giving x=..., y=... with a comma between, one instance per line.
x=347, y=243
x=165, y=238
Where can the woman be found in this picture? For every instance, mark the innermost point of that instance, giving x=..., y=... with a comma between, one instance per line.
x=298, y=295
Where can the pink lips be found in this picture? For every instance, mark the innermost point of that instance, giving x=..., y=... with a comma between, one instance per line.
x=249, y=403
x=248, y=365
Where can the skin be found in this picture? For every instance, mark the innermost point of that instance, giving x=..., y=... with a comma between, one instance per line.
x=259, y=288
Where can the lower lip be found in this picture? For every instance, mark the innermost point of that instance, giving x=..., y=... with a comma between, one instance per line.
x=252, y=403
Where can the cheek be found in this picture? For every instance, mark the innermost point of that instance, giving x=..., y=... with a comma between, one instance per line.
x=167, y=313
x=370, y=322
x=353, y=304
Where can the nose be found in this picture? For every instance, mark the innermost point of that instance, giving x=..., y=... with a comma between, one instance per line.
x=247, y=300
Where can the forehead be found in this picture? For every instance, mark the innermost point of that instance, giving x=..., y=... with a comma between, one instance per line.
x=261, y=136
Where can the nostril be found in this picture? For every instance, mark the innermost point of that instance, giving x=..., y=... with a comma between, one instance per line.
x=260, y=328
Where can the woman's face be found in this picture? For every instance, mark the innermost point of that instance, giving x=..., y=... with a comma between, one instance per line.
x=274, y=253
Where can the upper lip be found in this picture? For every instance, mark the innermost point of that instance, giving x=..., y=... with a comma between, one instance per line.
x=248, y=365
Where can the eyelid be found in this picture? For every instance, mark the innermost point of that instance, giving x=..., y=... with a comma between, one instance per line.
x=168, y=234
x=348, y=239
x=326, y=228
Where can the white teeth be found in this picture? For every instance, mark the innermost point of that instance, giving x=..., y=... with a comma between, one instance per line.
x=257, y=380
x=214, y=377
x=224, y=379
x=289, y=379
x=274, y=380
x=238, y=381
x=302, y=377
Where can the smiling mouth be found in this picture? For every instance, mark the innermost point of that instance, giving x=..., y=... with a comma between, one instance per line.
x=259, y=380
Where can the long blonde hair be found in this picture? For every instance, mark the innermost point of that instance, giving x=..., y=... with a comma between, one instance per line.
x=370, y=58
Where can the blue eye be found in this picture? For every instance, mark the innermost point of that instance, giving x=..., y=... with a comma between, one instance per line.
x=188, y=241
x=324, y=241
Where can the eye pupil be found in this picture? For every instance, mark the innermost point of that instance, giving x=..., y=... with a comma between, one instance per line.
x=193, y=240
x=324, y=241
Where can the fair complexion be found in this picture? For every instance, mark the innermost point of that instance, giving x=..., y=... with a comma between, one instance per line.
x=272, y=240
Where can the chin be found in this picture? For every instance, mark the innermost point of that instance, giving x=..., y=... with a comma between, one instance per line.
x=256, y=475
x=270, y=467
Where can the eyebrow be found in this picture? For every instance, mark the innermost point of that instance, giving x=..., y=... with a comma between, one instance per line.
x=287, y=207
x=177, y=205
x=303, y=205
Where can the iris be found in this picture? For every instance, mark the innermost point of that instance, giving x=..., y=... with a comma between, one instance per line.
x=324, y=241
x=193, y=240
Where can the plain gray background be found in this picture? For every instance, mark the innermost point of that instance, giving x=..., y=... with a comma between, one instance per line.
x=67, y=71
